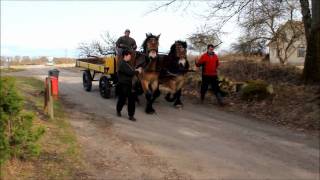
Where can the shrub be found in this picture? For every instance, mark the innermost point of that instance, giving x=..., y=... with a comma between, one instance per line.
x=255, y=90
x=18, y=137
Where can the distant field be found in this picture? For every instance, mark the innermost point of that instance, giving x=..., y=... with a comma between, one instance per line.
x=16, y=61
x=9, y=70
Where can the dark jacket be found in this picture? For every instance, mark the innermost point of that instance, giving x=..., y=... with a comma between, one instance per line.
x=126, y=42
x=210, y=63
x=125, y=73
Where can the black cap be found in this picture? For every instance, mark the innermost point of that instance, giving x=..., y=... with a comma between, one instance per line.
x=127, y=30
x=209, y=46
x=126, y=52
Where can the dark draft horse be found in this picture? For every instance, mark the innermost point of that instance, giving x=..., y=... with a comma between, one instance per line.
x=169, y=70
x=174, y=66
x=149, y=60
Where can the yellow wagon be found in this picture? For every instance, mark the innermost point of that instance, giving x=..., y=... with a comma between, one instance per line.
x=103, y=67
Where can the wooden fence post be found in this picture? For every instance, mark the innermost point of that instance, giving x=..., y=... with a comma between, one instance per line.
x=46, y=95
x=50, y=99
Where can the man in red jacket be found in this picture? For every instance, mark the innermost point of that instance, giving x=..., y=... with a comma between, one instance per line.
x=210, y=62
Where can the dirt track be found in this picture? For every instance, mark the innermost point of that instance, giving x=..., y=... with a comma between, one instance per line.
x=197, y=142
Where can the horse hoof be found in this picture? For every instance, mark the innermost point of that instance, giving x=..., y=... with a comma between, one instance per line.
x=178, y=106
x=168, y=98
x=150, y=111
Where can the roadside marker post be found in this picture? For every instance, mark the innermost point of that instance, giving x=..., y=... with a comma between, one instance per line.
x=51, y=91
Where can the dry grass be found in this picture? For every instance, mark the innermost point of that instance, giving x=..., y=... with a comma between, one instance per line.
x=243, y=70
x=293, y=104
x=238, y=56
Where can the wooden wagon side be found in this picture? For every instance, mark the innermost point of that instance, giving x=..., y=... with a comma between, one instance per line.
x=103, y=68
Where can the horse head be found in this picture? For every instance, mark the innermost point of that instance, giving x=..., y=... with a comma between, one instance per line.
x=178, y=51
x=150, y=52
x=151, y=44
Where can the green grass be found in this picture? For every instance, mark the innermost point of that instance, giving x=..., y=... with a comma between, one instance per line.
x=60, y=157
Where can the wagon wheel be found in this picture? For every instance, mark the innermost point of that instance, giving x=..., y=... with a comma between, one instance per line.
x=87, y=80
x=105, y=87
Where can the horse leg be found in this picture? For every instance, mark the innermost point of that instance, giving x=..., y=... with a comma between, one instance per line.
x=149, y=109
x=172, y=86
x=178, y=102
x=148, y=94
x=154, y=86
x=137, y=89
x=154, y=89
x=136, y=98
x=180, y=83
x=156, y=93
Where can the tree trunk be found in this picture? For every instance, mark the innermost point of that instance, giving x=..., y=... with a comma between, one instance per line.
x=311, y=71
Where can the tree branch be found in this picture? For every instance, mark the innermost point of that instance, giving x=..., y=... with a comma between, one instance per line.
x=161, y=6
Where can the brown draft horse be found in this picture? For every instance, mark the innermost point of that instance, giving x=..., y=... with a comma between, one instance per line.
x=174, y=66
x=148, y=59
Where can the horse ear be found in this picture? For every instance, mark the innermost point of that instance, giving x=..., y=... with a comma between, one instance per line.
x=158, y=36
x=146, y=34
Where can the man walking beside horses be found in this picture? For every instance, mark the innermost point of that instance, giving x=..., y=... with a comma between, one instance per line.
x=124, y=87
x=210, y=62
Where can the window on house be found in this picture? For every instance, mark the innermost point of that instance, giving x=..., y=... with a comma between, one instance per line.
x=301, y=52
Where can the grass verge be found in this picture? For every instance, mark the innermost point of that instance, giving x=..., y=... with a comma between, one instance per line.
x=60, y=156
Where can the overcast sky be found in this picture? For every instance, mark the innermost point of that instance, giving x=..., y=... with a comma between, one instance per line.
x=55, y=28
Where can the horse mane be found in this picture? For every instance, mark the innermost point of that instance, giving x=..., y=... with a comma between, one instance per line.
x=172, y=51
x=144, y=44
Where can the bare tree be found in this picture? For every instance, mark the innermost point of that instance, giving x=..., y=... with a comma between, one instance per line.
x=86, y=49
x=109, y=41
x=249, y=46
x=311, y=71
x=204, y=36
x=264, y=21
x=98, y=48
x=223, y=10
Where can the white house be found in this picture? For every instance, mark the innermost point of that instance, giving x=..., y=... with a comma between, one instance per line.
x=289, y=43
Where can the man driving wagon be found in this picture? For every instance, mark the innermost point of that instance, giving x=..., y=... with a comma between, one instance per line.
x=125, y=42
